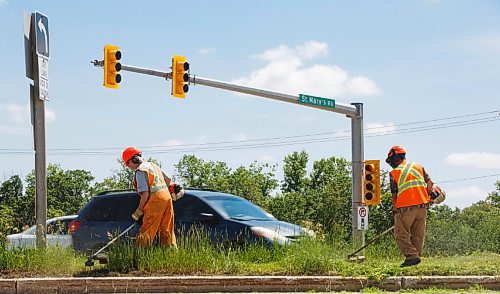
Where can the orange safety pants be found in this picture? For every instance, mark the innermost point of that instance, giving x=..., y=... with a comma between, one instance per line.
x=158, y=216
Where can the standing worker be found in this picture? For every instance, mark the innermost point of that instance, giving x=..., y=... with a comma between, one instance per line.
x=155, y=206
x=410, y=188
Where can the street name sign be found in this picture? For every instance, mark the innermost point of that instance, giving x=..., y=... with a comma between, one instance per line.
x=318, y=101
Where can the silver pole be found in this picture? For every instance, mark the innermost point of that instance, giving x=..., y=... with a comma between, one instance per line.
x=357, y=172
x=38, y=107
x=196, y=80
x=339, y=107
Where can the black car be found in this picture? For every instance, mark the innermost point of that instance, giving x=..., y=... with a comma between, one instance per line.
x=228, y=219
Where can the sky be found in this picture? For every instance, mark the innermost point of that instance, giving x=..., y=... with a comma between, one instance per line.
x=426, y=71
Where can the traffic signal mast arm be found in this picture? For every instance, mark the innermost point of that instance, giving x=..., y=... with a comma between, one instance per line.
x=348, y=110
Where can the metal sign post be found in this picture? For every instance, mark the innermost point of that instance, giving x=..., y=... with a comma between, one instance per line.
x=36, y=42
x=353, y=111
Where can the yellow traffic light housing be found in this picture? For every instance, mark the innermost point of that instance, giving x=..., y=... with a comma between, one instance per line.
x=112, y=66
x=180, y=77
x=371, y=182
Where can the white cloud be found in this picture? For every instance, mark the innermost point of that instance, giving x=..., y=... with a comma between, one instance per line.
x=286, y=72
x=3, y=2
x=379, y=128
x=206, y=51
x=15, y=118
x=474, y=159
x=465, y=196
x=15, y=113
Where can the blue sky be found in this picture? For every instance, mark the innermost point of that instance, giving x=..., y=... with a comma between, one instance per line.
x=428, y=73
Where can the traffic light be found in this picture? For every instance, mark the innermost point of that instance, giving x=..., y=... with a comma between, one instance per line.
x=179, y=76
x=112, y=66
x=371, y=182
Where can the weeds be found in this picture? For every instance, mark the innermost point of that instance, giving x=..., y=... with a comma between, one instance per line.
x=196, y=256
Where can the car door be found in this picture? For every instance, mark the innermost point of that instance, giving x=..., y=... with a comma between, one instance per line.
x=191, y=212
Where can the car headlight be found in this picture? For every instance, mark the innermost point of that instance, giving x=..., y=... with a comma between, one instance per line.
x=269, y=234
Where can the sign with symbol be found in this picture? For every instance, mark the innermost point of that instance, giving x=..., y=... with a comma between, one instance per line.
x=42, y=34
x=43, y=77
x=318, y=101
x=362, y=218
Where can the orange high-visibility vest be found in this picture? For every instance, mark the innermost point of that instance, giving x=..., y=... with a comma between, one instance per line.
x=412, y=189
x=156, y=182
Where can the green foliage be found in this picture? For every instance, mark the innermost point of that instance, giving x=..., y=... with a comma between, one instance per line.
x=67, y=191
x=254, y=183
x=13, y=206
x=322, y=198
x=294, y=169
x=121, y=179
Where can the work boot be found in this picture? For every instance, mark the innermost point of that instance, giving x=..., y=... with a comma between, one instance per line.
x=410, y=262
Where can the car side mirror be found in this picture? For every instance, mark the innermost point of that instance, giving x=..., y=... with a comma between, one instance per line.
x=207, y=217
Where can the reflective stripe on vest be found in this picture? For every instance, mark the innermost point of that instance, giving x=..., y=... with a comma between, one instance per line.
x=156, y=182
x=411, y=185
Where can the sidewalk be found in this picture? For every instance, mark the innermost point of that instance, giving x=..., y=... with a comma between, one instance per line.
x=199, y=284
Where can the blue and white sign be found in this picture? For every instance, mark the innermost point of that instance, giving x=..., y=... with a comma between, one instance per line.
x=42, y=34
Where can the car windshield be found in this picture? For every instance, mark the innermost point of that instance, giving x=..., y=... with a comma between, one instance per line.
x=239, y=209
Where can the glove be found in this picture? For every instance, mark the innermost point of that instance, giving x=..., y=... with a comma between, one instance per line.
x=176, y=191
x=137, y=214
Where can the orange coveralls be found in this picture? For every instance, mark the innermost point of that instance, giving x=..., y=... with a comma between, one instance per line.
x=158, y=211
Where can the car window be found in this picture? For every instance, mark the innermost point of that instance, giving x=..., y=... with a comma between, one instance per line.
x=188, y=209
x=239, y=208
x=116, y=208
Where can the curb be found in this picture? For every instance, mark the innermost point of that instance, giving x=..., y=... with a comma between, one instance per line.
x=202, y=284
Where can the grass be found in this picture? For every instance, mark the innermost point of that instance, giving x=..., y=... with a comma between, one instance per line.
x=195, y=256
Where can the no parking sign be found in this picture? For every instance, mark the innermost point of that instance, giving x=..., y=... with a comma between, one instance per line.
x=363, y=218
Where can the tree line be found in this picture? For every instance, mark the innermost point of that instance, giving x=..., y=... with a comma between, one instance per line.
x=319, y=199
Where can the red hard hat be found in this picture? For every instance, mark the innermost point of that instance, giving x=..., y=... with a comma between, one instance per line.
x=128, y=153
x=396, y=149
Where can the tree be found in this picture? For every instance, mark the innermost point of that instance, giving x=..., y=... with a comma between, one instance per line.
x=194, y=172
x=121, y=179
x=294, y=169
x=254, y=183
x=494, y=197
x=11, y=191
x=323, y=198
x=67, y=191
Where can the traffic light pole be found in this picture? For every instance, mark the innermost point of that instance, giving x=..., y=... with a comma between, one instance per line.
x=354, y=111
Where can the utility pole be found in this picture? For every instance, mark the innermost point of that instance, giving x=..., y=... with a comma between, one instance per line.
x=354, y=112
x=36, y=45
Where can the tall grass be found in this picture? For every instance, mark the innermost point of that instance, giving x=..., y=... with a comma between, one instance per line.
x=196, y=256
x=51, y=261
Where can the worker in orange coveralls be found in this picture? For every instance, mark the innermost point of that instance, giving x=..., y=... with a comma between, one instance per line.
x=155, y=206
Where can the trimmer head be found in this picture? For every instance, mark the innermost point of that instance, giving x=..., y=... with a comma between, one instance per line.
x=357, y=258
x=89, y=262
